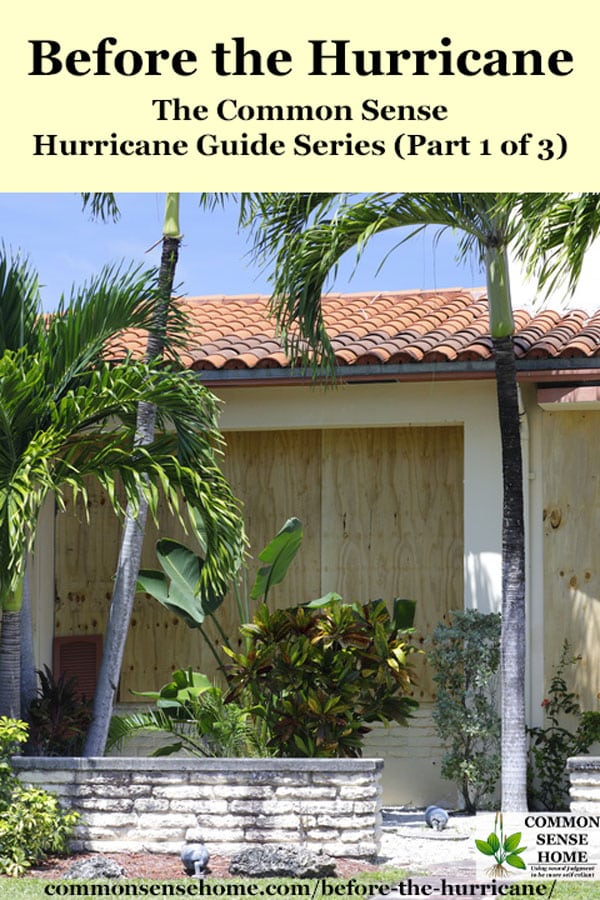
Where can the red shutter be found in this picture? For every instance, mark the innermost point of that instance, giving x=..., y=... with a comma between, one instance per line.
x=79, y=657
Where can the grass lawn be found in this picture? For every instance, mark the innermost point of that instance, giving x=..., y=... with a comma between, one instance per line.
x=34, y=888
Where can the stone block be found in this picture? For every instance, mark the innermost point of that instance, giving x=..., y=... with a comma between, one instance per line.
x=47, y=778
x=210, y=823
x=108, y=779
x=163, y=822
x=102, y=819
x=274, y=836
x=339, y=779
x=355, y=835
x=158, y=779
x=323, y=835
x=307, y=793
x=233, y=835
x=364, y=807
x=250, y=792
x=185, y=792
x=292, y=822
x=104, y=803
x=164, y=847
x=326, y=821
x=360, y=792
x=150, y=804
x=343, y=807
x=261, y=807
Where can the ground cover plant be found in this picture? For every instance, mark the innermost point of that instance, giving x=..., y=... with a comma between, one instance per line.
x=32, y=824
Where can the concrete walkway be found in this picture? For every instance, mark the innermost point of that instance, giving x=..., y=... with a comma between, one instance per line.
x=441, y=863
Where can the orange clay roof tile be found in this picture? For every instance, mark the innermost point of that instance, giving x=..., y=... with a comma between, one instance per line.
x=374, y=329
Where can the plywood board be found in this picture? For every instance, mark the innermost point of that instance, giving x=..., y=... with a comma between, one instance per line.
x=571, y=522
x=392, y=519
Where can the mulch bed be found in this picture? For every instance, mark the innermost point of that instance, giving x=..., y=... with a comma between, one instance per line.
x=163, y=866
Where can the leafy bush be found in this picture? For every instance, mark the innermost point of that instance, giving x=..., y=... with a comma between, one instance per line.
x=317, y=674
x=58, y=717
x=551, y=746
x=465, y=655
x=32, y=824
x=194, y=712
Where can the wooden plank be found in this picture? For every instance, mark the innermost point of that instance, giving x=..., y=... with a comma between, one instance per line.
x=276, y=474
x=392, y=519
x=571, y=535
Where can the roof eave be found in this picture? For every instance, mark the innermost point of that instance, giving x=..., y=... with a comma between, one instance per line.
x=574, y=369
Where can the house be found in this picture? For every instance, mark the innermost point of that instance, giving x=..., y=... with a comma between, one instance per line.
x=396, y=475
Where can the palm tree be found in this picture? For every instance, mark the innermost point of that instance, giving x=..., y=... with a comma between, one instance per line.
x=105, y=206
x=303, y=236
x=67, y=412
x=132, y=537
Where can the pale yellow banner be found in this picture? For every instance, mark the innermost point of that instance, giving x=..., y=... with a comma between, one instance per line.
x=319, y=95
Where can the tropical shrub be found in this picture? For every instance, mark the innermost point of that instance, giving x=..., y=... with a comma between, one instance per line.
x=318, y=674
x=551, y=745
x=178, y=587
x=58, y=717
x=194, y=712
x=465, y=655
x=32, y=823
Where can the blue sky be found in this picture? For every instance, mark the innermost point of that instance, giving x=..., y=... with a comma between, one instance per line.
x=66, y=247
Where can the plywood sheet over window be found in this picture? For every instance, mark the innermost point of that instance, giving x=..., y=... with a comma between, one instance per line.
x=382, y=513
x=392, y=519
x=276, y=475
x=571, y=541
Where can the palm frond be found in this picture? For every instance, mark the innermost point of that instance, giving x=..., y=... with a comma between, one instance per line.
x=304, y=236
x=20, y=305
x=553, y=234
x=102, y=206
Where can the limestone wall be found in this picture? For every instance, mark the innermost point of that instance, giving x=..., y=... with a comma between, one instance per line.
x=155, y=805
x=584, y=774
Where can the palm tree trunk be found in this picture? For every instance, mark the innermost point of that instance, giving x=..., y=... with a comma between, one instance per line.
x=514, y=741
x=10, y=664
x=28, y=673
x=132, y=538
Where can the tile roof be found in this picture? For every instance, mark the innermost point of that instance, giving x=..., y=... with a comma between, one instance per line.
x=379, y=329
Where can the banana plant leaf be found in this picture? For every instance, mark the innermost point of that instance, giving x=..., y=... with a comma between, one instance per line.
x=331, y=597
x=277, y=556
x=177, y=586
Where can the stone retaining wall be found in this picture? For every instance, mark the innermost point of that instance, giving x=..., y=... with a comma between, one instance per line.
x=584, y=774
x=141, y=804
